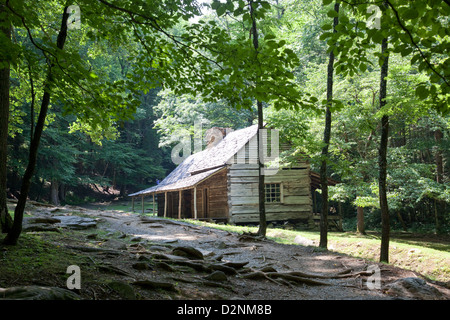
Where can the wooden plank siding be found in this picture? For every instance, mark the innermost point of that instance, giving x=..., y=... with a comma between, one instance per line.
x=215, y=188
x=296, y=201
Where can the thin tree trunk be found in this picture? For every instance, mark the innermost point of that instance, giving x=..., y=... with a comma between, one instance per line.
x=54, y=192
x=16, y=229
x=261, y=186
x=438, y=205
x=62, y=192
x=382, y=159
x=5, y=217
x=360, y=226
x=326, y=139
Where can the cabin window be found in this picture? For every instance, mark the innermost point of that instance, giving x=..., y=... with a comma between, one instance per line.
x=273, y=193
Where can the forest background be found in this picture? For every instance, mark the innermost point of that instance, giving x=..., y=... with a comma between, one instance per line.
x=79, y=162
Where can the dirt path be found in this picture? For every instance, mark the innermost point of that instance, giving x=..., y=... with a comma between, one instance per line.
x=132, y=257
x=217, y=245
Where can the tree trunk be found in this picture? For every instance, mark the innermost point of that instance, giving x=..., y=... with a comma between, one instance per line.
x=16, y=229
x=54, y=192
x=360, y=226
x=5, y=217
x=326, y=139
x=62, y=192
x=382, y=159
x=438, y=205
x=261, y=186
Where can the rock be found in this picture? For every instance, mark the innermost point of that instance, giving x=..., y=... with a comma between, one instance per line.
x=220, y=245
x=188, y=252
x=124, y=290
x=141, y=266
x=164, y=266
x=303, y=241
x=39, y=227
x=37, y=293
x=158, y=248
x=414, y=288
x=114, y=244
x=136, y=239
x=46, y=220
x=76, y=222
x=217, y=276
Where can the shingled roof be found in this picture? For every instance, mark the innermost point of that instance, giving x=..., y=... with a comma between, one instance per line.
x=201, y=165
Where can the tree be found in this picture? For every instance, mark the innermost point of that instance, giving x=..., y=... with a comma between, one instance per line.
x=402, y=24
x=326, y=140
x=14, y=233
x=5, y=60
x=382, y=162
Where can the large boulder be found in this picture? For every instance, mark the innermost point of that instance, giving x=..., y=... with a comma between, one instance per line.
x=76, y=222
x=414, y=288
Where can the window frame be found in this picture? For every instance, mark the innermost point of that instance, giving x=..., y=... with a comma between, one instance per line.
x=275, y=194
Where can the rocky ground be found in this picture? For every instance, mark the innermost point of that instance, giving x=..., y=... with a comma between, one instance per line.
x=133, y=257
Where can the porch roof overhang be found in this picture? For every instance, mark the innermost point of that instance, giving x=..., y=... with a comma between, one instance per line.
x=182, y=184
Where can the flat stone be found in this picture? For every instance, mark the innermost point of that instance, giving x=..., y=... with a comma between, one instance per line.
x=37, y=293
x=217, y=276
x=77, y=223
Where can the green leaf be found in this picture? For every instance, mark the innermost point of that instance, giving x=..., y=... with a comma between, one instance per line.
x=327, y=2
x=221, y=10
x=411, y=14
x=332, y=13
x=215, y=5
x=327, y=27
x=422, y=92
x=363, y=67
x=265, y=5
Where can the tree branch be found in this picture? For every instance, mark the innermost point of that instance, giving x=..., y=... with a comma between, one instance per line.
x=415, y=44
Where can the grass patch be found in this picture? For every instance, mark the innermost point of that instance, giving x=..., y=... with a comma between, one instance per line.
x=35, y=260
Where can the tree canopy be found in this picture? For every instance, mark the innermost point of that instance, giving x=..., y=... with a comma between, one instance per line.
x=93, y=105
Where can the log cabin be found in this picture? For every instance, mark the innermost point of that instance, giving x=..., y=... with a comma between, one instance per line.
x=221, y=183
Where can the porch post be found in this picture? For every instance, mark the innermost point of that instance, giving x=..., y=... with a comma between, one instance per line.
x=165, y=204
x=195, y=203
x=132, y=204
x=153, y=211
x=179, y=204
x=142, y=204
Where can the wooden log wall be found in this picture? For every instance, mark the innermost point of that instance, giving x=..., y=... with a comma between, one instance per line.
x=296, y=201
x=212, y=197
